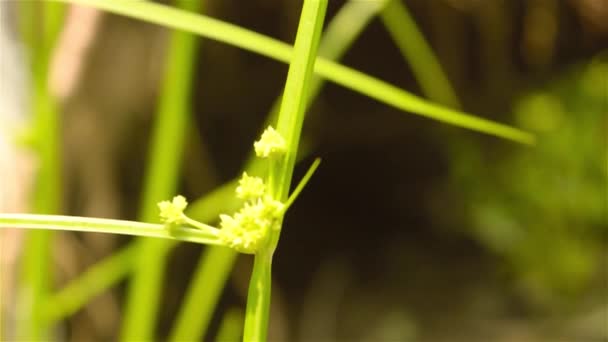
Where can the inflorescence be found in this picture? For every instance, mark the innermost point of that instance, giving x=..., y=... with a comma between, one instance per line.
x=247, y=229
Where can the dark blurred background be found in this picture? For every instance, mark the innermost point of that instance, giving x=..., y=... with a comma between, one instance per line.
x=411, y=229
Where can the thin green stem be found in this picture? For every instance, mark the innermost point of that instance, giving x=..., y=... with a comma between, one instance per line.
x=258, y=299
x=201, y=226
x=145, y=288
x=293, y=106
x=289, y=125
x=339, y=74
x=296, y=192
x=108, y=226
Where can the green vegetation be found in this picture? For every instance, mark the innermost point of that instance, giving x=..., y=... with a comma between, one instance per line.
x=245, y=215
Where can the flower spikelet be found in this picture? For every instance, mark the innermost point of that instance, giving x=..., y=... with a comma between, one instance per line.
x=250, y=187
x=271, y=144
x=172, y=212
x=242, y=232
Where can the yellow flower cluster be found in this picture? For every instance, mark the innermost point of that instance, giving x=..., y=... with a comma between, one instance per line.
x=248, y=227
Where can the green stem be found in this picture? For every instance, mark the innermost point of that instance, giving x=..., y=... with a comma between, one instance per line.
x=108, y=226
x=291, y=118
x=258, y=299
x=296, y=192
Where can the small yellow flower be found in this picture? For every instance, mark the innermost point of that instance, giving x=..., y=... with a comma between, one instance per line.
x=271, y=144
x=172, y=212
x=250, y=187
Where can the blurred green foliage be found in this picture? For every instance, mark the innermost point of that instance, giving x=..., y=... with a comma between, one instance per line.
x=543, y=209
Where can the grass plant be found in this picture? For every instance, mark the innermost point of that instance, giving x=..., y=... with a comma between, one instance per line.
x=273, y=168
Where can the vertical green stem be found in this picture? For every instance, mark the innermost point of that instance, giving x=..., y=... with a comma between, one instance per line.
x=40, y=24
x=145, y=288
x=291, y=118
x=291, y=115
x=258, y=298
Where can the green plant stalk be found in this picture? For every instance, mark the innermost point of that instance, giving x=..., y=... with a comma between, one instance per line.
x=289, y=125
x=204, y=291
x=35, y=277
x=145, y=287
x=302, y=184
x=414, y=47
x=339, y=74
x=109, y=226
x=258, y=298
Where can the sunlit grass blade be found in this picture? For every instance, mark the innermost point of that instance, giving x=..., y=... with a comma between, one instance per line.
x=414, y=47
x=347, y=77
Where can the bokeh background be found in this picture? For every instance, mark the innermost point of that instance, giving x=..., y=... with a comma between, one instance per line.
x=411, y=229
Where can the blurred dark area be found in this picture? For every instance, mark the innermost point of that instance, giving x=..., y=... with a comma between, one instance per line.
x=411, y=229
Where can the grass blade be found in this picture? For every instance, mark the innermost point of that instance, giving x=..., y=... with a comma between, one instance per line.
x=425, y=65
x=347, y=77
